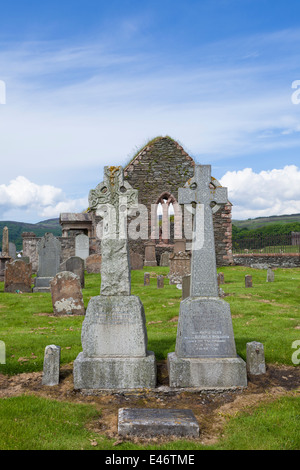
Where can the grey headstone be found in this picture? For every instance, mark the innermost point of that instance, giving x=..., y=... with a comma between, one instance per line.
x=248, y=280
x=186, y=286
x=75, y=265
x=165, y=259
x=51, y=365
x=82, y=246
x=49, y=250
x=255, y=358
x=205, y=354
x=152, y=422
x=12, y=250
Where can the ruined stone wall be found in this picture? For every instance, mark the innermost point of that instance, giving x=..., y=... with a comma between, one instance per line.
x=265, y=260
x=164, y=166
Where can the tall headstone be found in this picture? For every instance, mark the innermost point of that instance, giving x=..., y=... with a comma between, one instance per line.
x=82, y=246
x=270, y=275
x=114, y=335
x=205, y=354
x=12, y=250
x=49, y=249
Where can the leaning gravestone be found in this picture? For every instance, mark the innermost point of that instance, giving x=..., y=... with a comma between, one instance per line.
x=18, y=277
x=205, y=355
x=49, y=249
x=114, y=335
x=66, y=294
x=82, y=247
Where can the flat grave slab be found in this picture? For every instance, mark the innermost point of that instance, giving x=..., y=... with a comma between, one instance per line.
x=152, y=422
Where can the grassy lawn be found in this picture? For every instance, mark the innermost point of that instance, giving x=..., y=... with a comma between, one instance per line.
x=267, y=312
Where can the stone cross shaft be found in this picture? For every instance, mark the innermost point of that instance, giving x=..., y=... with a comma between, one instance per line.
x=201, y=191
x=111, y=199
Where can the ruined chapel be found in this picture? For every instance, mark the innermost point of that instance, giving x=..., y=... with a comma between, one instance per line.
x=157, y=171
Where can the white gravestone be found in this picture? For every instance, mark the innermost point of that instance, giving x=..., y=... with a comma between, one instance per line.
x=82, y=246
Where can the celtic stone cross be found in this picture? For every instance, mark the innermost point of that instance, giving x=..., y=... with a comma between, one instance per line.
x=207, y=197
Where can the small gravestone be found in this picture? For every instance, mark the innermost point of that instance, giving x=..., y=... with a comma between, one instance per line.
x=66, y=294
x=205, y=354
x=51, y=365
x=160, y=281
x=165, y=259
x=5, y=257
x=114, y=336
x=136, y=261
x=75, y=265
x=255, y=358
x=152, y=422
x=186, y=286
x=270, y=275
x=150, y=256
x=147, y=279
x=248, y=280
x=221, y=279
x=93, y=263
x=180, y=265
x=49, y=249
x=18, y=277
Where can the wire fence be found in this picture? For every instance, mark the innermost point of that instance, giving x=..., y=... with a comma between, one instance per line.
x=285, y=243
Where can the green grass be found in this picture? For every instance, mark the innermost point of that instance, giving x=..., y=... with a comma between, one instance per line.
x=267, y=312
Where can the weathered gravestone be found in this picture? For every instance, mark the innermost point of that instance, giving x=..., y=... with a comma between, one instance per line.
x=248, y=280
x=136, y=261
x=270, y=275
x=18, y=277
x=12, y=250
x=5, y=257
x=255, y=358
x=114, y=335
x=51, y=365
x=165, y=259
x=49, y=249
x=221, y=279
x=75, y=265
x=160, y=281
x=150, y=256
x=205, y=355
x=93, y=263
x=146, y=279
x=82, y=246
x=66, y=294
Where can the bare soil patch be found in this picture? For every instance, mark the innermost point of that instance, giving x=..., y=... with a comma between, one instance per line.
x=211, y=408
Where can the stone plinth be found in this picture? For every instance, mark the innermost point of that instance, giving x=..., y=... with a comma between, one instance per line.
x=120, y=359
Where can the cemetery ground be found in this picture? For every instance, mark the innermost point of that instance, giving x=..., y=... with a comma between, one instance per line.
x=263, y=416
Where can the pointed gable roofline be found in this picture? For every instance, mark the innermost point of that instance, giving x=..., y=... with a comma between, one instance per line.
x=148, y=147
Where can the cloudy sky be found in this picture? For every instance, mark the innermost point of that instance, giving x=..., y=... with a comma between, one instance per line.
x=84, y=84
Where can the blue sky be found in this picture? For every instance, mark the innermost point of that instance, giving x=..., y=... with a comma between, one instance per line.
x=89, y=82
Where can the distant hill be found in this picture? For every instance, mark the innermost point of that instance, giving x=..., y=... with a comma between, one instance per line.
x=253, y=224
x=15, y=230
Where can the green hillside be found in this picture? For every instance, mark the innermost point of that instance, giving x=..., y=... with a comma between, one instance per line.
x=253, y=224
x=15, y=230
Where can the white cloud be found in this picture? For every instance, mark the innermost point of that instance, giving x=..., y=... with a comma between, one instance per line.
x=273, y=192
x=45, y=200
